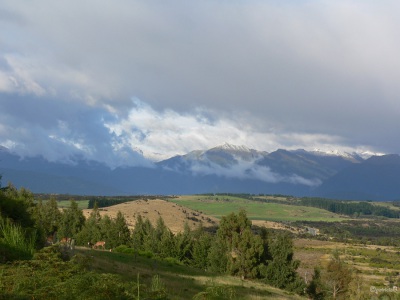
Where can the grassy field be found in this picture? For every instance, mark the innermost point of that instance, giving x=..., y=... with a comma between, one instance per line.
x=218, y=206
x=82, y=204
x=181, y=282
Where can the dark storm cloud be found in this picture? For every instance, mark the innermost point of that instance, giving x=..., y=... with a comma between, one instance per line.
x=44, y=126
x=277, y=74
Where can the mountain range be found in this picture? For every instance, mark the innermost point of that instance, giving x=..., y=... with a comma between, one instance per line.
x=226, y=168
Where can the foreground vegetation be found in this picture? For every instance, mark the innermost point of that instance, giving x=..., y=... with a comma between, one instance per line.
x=234, y=250
x=39, y=257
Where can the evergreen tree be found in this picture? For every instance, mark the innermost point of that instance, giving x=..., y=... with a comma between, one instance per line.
x=116, y=231
x=184, y=244
x=121, y=230
x=72, y=220
x=151, y=241
x=243, y=248
x=48, y=216
x=91, y=231
x=281, y=269
x=200, y=250
x=143, y=235
x=17, y=205
x=107, y=232
x=138, y=234
x=316, y=290
x=218, y=256
x=167, y=244
x=246, y=252
x=233, y=224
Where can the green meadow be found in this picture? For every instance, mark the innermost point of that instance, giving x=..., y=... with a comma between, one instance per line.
x=221, y=205
x=82, y=204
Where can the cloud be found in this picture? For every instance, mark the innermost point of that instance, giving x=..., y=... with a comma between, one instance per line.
x=249, y=170
x=161, y=134
x=58, y=131
x=267, y=74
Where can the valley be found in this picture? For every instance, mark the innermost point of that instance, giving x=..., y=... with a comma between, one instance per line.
x=374, y=263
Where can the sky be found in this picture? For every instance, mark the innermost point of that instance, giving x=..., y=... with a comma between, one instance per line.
x=124, y=81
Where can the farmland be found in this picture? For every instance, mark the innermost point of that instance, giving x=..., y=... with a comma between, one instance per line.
x=220, y=205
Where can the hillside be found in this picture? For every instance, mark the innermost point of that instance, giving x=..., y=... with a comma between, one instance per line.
x=372, y=262
x=174, y=215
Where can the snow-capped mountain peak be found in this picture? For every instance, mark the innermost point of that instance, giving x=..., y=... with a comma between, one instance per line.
x=353, y=155
x=336, y=152
x=235, y=148
x=368, y=154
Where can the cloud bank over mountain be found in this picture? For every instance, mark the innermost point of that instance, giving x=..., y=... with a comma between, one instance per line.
x=113, y=81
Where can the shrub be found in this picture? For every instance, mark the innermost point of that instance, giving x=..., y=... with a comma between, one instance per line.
x=15, y=242
x=216, y=292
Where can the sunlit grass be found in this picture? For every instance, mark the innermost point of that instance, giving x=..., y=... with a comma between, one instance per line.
x=218, y=206
x=180, y=281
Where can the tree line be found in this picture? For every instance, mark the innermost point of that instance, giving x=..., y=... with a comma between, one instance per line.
x=351, y=208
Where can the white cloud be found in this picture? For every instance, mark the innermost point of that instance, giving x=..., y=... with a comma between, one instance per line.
x=163, y=134
x=249, y=170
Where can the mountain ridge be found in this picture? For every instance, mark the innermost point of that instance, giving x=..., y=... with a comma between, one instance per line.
x=224, y=168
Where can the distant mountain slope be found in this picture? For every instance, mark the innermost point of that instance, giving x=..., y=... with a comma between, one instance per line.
x=224, y=156
x=226, y=168
x=305, y=164
x=377, y=178
x=296, y=167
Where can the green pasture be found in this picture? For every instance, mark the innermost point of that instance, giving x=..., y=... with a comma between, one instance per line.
x=387, y=205
x=82, y=204
x=218, y=206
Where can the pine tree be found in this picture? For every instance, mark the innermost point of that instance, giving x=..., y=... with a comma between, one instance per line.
x=281, y=269
x=72, y=220
x=316, y=289
x=106, y=231
x=246, y=252
x=218, y=255
x=50, y=216
x=17, y=205
x=91, y=231
x=121, y=230
x=237, y=250
x=184, y=244
x=167, y=244
x=138, y=234
x=201, y=248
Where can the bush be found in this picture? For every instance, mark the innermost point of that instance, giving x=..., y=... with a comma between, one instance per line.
x=216, y=292
x=15, y=242
x=172, y=261
x=147, y=254
x=47, y=276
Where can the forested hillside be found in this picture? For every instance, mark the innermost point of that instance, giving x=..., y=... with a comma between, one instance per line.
x=234, y=249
